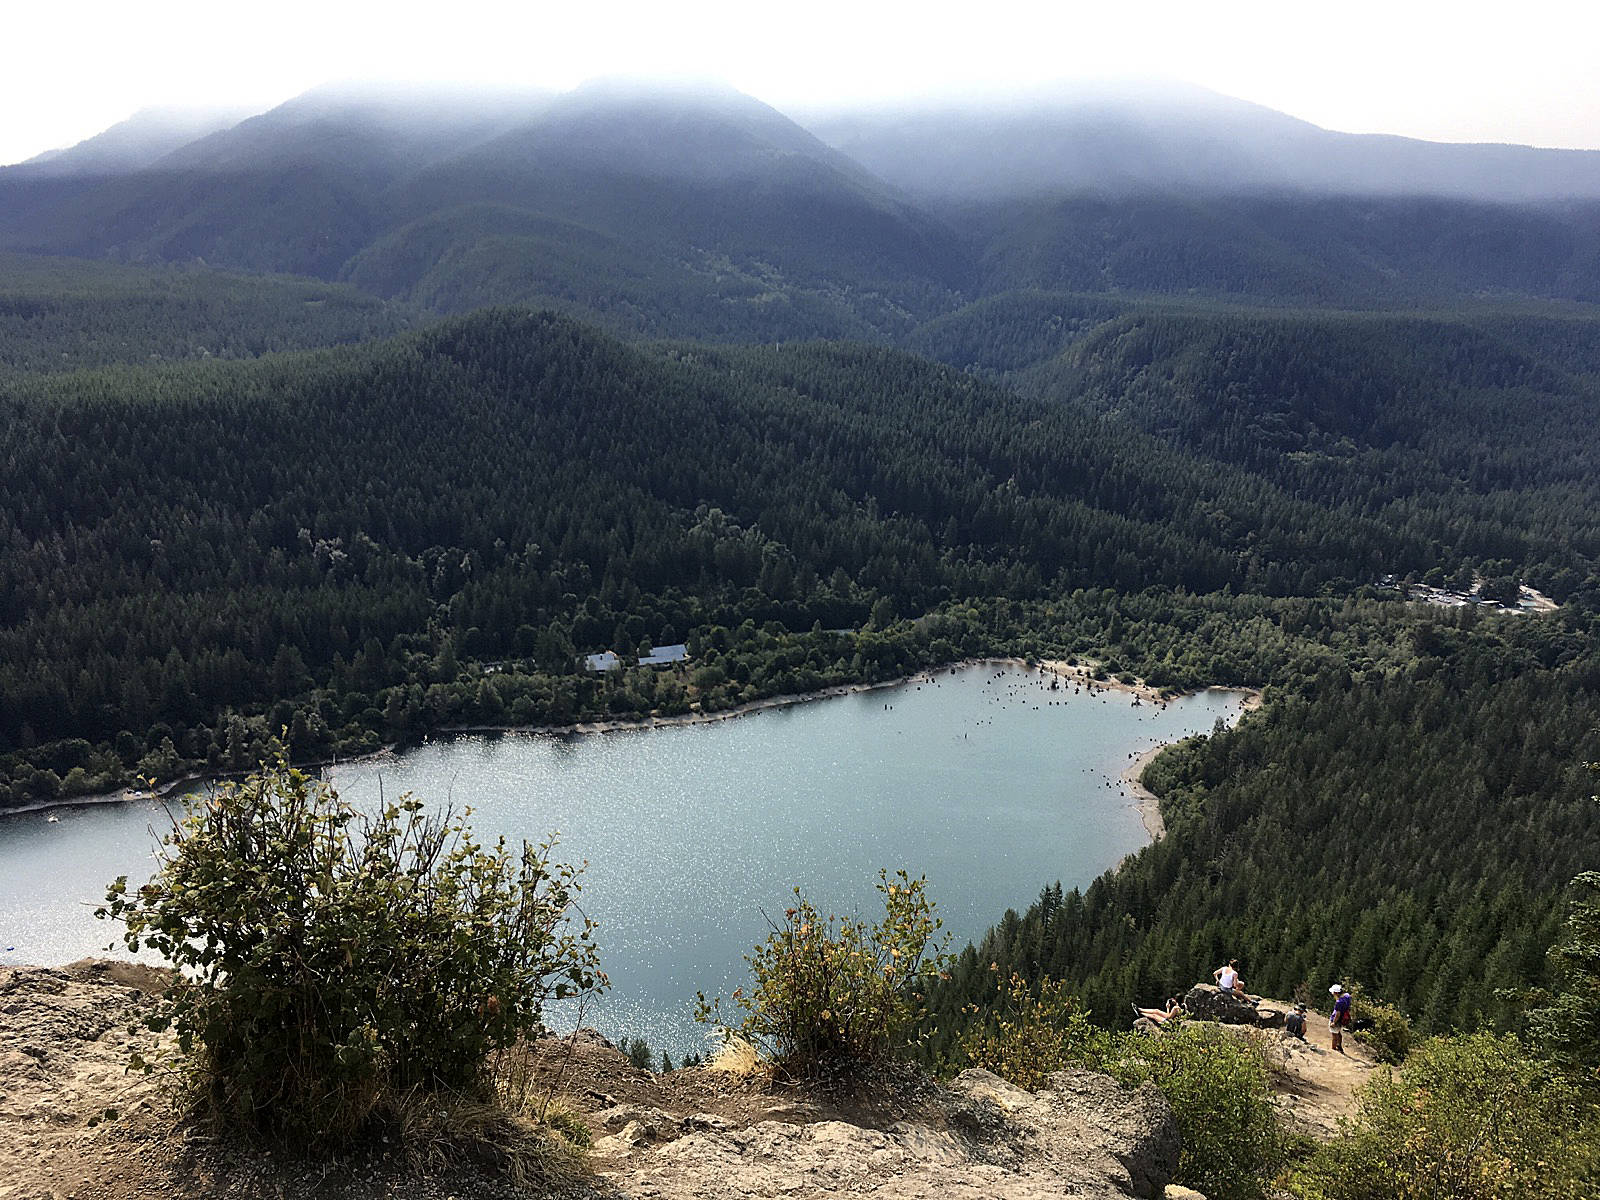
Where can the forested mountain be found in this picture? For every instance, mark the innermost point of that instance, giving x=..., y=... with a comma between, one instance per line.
x=1340, y=251
x=700, y=212
x=1413, y=419
x=659, y=211
x=1134, y=138
x=60, y=314
x=132, y=145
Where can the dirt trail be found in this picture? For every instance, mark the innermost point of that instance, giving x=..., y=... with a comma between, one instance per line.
x=1315, y=1084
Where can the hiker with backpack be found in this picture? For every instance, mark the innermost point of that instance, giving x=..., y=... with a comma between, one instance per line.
x=1339, y=1018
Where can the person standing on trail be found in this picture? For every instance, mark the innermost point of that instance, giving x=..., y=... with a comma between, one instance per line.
x=1339, y=1018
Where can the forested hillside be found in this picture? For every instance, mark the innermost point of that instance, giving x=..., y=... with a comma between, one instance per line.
x=663, y=211
x=1407, y=823
x=61, y=314
x=514, y=484
x=1184, y=432
x=699, y=212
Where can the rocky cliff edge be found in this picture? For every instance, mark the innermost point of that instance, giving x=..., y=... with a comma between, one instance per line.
x=74, y=1124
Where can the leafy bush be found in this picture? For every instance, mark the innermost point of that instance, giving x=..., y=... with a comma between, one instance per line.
x=334, y=966
x=1028, y=1032
x=1466, y=1117
x=832, y=993
x=1390, y=1035
x=1219, y=1089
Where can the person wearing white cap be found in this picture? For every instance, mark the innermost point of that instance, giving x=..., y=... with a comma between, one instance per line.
x=1339, y=1017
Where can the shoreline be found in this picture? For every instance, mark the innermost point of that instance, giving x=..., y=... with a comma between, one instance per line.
x=1082, y=673
x=612, y=725
x=1145, y=802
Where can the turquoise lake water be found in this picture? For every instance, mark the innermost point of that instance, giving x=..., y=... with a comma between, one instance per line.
x=982, y=779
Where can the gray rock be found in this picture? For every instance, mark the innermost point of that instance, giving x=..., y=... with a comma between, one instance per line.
x=1208, y=1003
x=1083, y=1135
x=1136, y=1127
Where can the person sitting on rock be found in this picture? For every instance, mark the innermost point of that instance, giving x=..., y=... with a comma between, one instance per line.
x=1295, y=1022
x=1161, y=1016
x=1228, y=979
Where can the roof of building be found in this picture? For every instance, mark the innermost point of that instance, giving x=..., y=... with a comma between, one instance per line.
x=660, y=655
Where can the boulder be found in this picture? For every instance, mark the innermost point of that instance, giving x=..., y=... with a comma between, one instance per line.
x=1206, y=1002
x=1137, y=1128
x=1269, y=1018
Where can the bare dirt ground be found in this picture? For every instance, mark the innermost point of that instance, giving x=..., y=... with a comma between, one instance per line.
x=74, y=1125
x=1315, y=1084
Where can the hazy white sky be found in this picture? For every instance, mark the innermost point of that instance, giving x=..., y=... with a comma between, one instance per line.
x=1457, y=70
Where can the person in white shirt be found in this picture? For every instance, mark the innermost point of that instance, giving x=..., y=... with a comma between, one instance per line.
x=1227, y=977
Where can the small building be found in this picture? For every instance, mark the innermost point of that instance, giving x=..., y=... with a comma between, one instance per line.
x=661, y=656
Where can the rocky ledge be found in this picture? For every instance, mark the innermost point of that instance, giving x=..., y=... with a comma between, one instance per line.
x=1203, y=1002
x=1083, y=1135
x=73, y=1124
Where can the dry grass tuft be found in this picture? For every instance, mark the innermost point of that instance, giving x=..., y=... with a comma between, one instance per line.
x=740, y=1058
x=437, y=1132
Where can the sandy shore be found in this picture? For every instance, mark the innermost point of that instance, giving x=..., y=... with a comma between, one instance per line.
x=1144, y=800
x=1082, y=674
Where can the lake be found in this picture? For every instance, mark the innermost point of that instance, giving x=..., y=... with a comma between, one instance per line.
x=981, y=778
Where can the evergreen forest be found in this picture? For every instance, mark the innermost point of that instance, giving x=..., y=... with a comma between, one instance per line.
x=319, y=435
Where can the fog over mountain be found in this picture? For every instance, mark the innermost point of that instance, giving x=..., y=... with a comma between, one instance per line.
x=695, y=210
x=131, y=145
x=1118, y=139
x=391, y=128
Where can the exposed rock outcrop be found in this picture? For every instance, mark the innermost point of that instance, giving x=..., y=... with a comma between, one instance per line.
x=1082, y=1135
x=65, y=1036
x=1207, y=1003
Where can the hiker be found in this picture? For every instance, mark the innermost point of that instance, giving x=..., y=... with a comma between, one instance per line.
x=1228, y=978
x=1295, y=1022
x=1161, y=1016
x=1339, y=1018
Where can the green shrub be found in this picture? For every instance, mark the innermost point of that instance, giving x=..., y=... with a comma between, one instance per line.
x=1390, y=1036
x=638, y=1053
x=334, y=967
x=837, y=994
x=1467, y=1117
x=1027, y=1032
x=1216, y=1081
x=1218, y=1085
